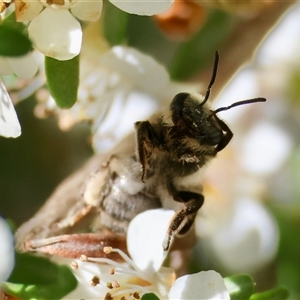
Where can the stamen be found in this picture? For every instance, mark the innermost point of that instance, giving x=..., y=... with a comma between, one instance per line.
x=141, y=282
x=83, y=258
x=133, y=288
x=132, y=269
x=74, y=265
x=115, y=284
x=95, y=281
x=127, y=259
x=108, y=297
x=107, y=250
x=109, y=285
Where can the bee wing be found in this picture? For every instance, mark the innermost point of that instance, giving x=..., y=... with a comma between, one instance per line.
x=9, y=123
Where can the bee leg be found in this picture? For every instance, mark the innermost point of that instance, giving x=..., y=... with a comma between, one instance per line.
x=147, y=140
x=74, y=245
x=227, y=136
x=184, y=218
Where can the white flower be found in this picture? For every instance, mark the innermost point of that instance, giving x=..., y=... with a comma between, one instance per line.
x=9, y=123
x=54, y=30
x=56, y=33
x=23, y=66
x=203, y=285
x=143, y=273
x=7, y=253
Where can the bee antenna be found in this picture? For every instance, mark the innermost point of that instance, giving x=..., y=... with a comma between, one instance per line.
x=213, y=77
x=254, y=100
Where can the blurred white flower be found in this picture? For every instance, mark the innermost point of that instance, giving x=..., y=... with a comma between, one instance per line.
x=106, y=279
x=249, y=239
x=265, y=148
x=54, y=29
x=7, y=252
x=9, y=123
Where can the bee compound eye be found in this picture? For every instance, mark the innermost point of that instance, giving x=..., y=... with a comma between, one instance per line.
x=214, y=138
x=177, y=106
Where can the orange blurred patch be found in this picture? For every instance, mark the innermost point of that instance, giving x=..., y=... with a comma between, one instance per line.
x=183, y=19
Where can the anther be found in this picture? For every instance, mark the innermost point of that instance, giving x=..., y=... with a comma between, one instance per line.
x=95, y=281
x=74, y=265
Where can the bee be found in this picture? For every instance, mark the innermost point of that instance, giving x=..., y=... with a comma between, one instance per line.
x=165, y=170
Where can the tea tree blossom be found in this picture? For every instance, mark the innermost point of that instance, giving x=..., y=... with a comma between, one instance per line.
x=54, y=28
x=106, y=279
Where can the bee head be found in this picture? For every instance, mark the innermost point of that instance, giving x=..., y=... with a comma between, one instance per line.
x=191, y=113
x=195, y=119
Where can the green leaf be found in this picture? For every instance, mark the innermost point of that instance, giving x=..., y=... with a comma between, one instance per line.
x=38, y=278
x=194, y=54
x=63, y=80
x=280, y=293
x=11, y=22
x=149, y=296
x=287, y=217
x=13, y=42
x=114, y=24
x=240, y=286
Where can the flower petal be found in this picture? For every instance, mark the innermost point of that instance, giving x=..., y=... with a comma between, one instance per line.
x=23, y=66
x=145, y=236
x=139, y=69
x=122, y=114
x=7, y=252
x=27, y=10
x=203, y=285
x=9, y=123
x=140, y=7
x=87, y=10
x=56, y=34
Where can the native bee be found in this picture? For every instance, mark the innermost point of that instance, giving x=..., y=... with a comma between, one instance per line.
x=165, y=170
